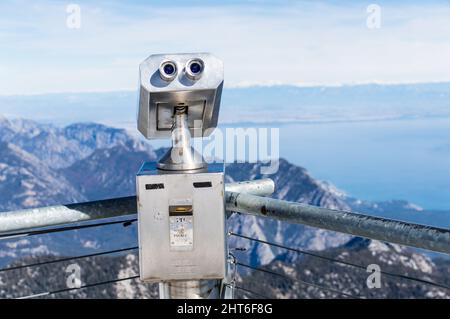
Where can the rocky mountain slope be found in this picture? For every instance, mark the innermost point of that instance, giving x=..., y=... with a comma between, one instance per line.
x=403, y=273
x=25, y=182
x=294, y=184
x=59, y=147
x=34, y=155
x=43, y=165
x=111, y=158
x=53, y=278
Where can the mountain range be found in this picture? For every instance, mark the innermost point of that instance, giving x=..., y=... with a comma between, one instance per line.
x=43, y=165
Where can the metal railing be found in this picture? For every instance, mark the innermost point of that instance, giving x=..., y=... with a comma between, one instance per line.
x=244, y=197
x=29, y=219
x=383, y=229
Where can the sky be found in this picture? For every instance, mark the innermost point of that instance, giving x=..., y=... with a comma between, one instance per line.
x=303, y=43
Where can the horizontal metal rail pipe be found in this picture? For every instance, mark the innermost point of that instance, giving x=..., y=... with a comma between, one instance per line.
x=430, y=238
x=23, y=220
x=403, y=233
x=259, y=187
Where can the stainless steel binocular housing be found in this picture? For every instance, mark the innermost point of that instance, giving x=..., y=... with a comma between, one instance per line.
x=168, y=81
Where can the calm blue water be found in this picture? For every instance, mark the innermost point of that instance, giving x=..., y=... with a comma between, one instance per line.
x=404, y=159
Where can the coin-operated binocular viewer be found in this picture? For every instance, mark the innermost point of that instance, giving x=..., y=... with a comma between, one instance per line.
x=180, y=198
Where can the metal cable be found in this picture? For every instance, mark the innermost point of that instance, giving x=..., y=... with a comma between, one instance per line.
x=48, y=293
x=126, y=222
x=249, y=291
x=337, y=261
x=68, y=259
x=299, y=281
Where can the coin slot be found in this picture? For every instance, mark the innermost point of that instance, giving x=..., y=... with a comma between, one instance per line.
x=180, y=210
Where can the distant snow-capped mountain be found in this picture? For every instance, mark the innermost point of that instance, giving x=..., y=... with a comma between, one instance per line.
x=61, y=147
x=26, y=182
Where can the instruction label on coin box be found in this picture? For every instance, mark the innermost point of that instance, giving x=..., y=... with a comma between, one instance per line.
x=181, y=221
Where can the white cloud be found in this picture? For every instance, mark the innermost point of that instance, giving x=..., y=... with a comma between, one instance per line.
x=303, y=44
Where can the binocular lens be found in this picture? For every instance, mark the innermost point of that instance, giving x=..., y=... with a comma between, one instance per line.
x=195, y=67
x=168, y=70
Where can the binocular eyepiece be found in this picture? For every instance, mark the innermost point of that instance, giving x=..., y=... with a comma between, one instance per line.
x=168, y=69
